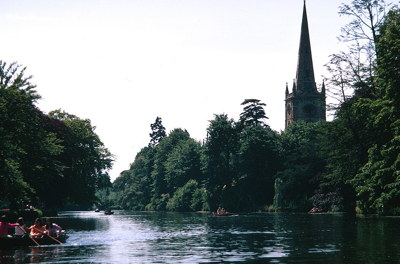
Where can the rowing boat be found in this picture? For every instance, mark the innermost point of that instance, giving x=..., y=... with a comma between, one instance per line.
x=26, y=241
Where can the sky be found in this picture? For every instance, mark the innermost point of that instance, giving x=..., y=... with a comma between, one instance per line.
x=122, y=63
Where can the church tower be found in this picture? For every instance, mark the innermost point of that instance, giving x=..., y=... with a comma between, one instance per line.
x=305, y=102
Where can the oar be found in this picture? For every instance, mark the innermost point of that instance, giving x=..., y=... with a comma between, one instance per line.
x=59, y=242
x=37, y=244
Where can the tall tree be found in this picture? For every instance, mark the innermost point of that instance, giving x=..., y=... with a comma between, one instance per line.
x=134, y=186
x=29, y=153
x=161, y=192
x=183, y=164
x=88, y=159
x=377, y=183
x=354, y=70
x=299, y=176
x=18, y=120
x=389, y=63
x=253, y=113
x=367, y=16
x=220, y=152
x=157, y=132
x=258, y=162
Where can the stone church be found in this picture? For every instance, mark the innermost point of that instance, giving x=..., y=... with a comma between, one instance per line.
x=305, y=102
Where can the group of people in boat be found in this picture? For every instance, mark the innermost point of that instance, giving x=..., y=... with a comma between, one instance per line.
x=36, y=230
x=221, y=212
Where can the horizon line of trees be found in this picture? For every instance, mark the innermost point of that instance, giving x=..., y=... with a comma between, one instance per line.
x=350, y=164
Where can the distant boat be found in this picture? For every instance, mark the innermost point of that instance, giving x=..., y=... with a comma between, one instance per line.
x=108, y=212
x=315, y=210
x=97, y=210
x=224, y=214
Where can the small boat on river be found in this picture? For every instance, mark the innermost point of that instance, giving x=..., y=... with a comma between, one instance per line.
x=224, y=214
x=108, y=212
x=26, y=241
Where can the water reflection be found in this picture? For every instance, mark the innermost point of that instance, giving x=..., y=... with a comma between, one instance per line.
x=144, y=237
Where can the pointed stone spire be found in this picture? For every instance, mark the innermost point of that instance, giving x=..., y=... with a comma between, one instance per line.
x=305, y=72
x=287, y=89
x=294, y=86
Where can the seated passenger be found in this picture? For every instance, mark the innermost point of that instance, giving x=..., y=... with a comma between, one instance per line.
x=4, y=226
x=21, y=229
x=221, y=211
x=37, y=230
x=52, y=228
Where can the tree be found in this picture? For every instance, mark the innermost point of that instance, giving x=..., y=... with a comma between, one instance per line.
x=161, y=192
x=253, y=113
x=12, y=77
x=187, y=198
x=88, y=160
x=183, y=164
x=258, y=162
x=302, y=165
x=219, y=160
x=349, y=72
x=134, y=186
x=362, y=152
x=47, y=160
x=157, y=132
x=28, y=151
x=377, y=183
x=389, y=63
x=367, y=16
x=354, y=70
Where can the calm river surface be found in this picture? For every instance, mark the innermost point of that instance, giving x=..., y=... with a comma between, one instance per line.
x=149, y=237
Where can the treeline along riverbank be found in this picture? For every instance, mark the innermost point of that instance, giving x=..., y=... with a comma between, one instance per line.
x=350, y=164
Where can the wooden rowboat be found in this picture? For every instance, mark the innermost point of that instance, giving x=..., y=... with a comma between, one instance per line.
x=26, y=241
x=108, y=212
x=224, y=214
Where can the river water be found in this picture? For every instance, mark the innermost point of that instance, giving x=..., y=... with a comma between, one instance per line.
x=153, y=237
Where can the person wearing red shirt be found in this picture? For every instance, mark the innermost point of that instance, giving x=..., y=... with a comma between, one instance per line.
x=4, y=226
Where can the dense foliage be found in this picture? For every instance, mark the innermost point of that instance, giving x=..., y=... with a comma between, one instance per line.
x=50, y=161
x=349, y=164
x=234, y=168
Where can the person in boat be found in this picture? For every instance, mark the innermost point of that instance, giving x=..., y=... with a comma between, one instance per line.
x=21, y=229
x=37, y=229
x=52, y=229
x=315, y=210
x=4, y=226
x=221, y=211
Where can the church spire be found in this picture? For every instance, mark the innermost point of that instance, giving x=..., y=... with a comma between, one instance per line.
x=305, y=72
x=305, y=102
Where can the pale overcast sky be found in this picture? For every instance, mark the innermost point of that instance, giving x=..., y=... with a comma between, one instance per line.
x=122, y=63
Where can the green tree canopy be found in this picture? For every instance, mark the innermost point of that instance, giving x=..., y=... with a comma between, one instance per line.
x=157, y=132
x=377, y=183
x=87, y=159
x=253, y=113
x=28, y=151
x=219, y=161
x=258, y=162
